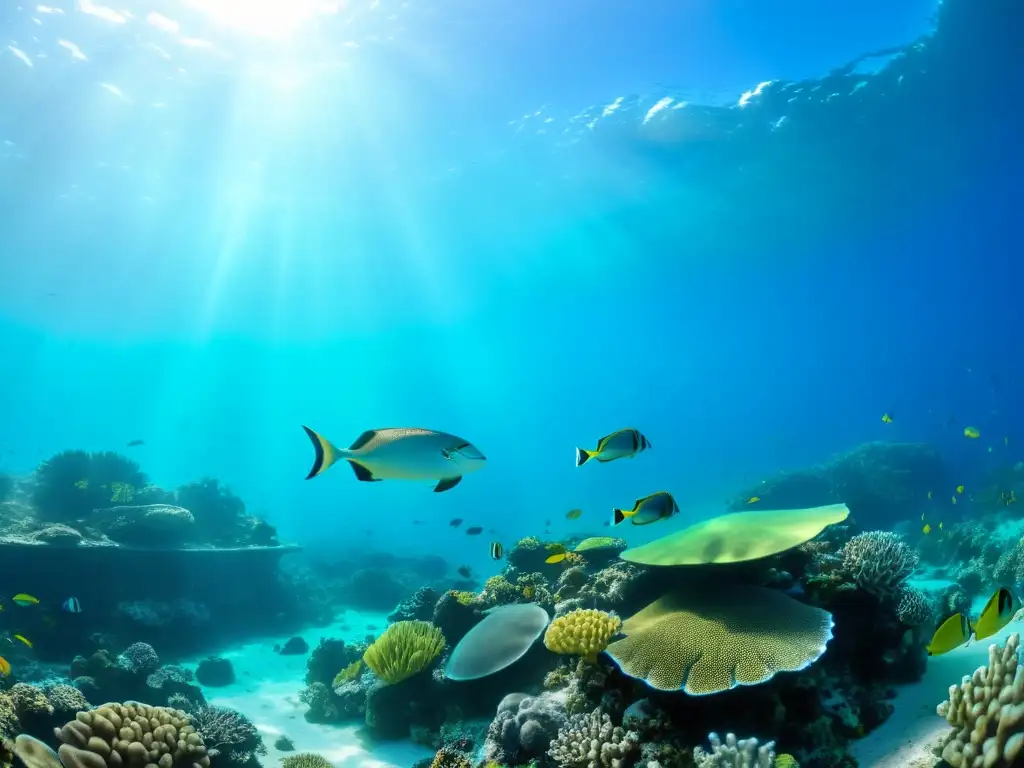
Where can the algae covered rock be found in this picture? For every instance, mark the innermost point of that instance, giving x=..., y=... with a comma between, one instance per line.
x=155, y=526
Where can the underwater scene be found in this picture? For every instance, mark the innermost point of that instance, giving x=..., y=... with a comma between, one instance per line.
x=451, y=384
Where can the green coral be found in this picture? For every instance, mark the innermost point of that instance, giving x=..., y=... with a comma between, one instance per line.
x=348, y=674
x=306, y=760
x=467, y=598
x=529, y=588
x=405, y=649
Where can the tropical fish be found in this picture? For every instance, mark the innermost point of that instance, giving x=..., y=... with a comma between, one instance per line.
x=952, y=633
x=134, y=443
x=82, y=485
x=455, y=522
x=625, y=443
x=476, y=530
x=927, y=529
x=497, y=550
x=559, y=553
x=996, y=614
x=972, y=432
x=23, y=639
x=649, y=509
x=24, y=600
x=5, y=667
x=954, y=499
x=887, y=418
x=753, y=500
x=401, y=454
x=464, y=571
x=574, y=514
x=959, y=489
x=929, y=494
x=1007, y=498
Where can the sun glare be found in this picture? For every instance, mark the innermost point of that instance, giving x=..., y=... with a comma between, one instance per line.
x=265, y=18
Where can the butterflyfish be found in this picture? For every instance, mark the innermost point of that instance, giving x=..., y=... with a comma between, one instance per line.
x=927, y=529
x=475, y=530
x=972, y=432
x=887, y=418
x=23, y=639
x=952, y=633
x=649, y=509
x=574, y=514
x=5, y=667
x=401, y=454
x=959, y=489
x=25, y=600
x=558, y=554
x=497, y=550
x=996, y=614
x=623, y=444
x=753, y=500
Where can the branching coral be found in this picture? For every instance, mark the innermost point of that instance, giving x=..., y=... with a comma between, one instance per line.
x=137, y=733
x=913, y=608
x=583, y=632
x=735, y=753
x=405, y=648
x=593, y=741
x=306, y=760
x=227, y=731
x=987, y=713
x=879, y=562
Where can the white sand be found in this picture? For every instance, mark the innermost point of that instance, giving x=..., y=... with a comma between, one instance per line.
x=266, y=690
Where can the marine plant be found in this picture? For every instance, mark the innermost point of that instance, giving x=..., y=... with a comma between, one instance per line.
x=582, y=632
x=405, y=649
x=71, y=484
x=348, y=674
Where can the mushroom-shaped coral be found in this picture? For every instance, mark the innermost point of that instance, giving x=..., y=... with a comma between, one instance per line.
x=132, y=735
x=735, y=753
x=582, y=632
x=987, y=713
x=592, y=741
x=405, y=648
x=710, y=641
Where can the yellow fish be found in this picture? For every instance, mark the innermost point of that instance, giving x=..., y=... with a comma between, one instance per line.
x=753, y=500
x=996, y=614
x=574, y=514
x=649, y=509
x=24, y=639
x=24, y=600
x=927, y=529
x=560, y=553
x=952, y=633
x=623, y=444
x=5, y=667
x=959, y=489
x=887, y=418
x=972, y=432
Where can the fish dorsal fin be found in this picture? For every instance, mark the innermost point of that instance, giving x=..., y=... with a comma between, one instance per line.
x=601, y=441
x=363, y=439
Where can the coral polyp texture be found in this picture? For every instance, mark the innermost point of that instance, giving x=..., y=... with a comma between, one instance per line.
x=133, y=735
x=593, y=741
x=735, y=753
x=583, y=633
x=405, y=649
x=987, y=713
x=879, y=562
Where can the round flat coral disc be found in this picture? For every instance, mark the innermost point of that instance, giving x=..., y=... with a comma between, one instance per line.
x=501, y=639
x=738, y=537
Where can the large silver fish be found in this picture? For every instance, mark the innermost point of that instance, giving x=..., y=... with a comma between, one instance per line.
x=624, y=443
x=401, y=453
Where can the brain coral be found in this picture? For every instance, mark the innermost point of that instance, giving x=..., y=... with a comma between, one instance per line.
x=713, y=640
x=405, y=648
x=878, y=562
x=582, y=632
x=987, y=713
x=133, y=735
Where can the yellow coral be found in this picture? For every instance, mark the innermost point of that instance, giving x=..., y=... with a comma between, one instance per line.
x=785, y=760
x=463, y=597
x=582, y=632
x=405, y=648
x=447, y=757
x=348, y=674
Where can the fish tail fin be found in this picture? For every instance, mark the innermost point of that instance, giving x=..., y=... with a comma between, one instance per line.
x=618, y=516
x=583, y=456
x=326, y=453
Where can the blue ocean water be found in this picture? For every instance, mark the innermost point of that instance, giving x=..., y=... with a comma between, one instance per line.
x=219, y=221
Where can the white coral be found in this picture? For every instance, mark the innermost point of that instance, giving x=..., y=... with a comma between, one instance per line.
x=987, y=713
x=735, y=753
x=592, y=741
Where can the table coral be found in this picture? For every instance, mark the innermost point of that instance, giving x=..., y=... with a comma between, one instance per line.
x=879, y=562
x=987, y=713
x=593, y=741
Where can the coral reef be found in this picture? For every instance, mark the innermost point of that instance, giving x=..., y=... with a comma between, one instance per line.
x=417, y=607
x=306, y=760
x=878, y=562
x=226, y=731
x=593, y=741
x=405, y=649
x=735, y=753
x=582, y=632
x=293, y=646
x=986, y=712
x=70, y=485
x=524, y=727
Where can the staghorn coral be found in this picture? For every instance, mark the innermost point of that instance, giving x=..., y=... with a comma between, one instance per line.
x=593, y=741
x=405, y=648
x=987, y=713
x=139, y=734
x=879, y=562
x=735, y=753
x=582, y=632
x=306, y=760
x=913, y=608
x=227, y=731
